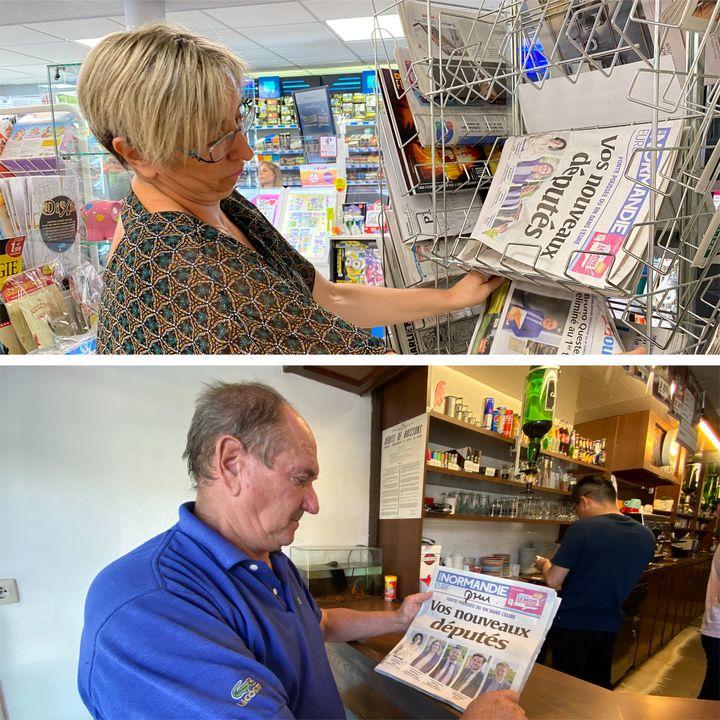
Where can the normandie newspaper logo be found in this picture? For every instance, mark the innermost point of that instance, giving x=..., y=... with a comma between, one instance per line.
x=245, y=690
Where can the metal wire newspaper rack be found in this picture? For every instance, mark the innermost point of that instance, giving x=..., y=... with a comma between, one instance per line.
x=558, y=68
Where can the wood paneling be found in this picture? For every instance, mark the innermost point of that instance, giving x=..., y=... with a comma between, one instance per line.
x=400, y=541
x=358, y=379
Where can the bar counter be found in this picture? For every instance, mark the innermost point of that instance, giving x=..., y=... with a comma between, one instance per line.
x=548, y=694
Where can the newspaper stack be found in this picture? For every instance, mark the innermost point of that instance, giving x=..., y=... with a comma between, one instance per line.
x=574, y=206
x=475, y=635
x=523, y=319
x=454, y=49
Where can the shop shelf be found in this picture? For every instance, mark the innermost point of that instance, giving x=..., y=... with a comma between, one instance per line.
x=492, y=479
x=485, y=518
x=441, y=417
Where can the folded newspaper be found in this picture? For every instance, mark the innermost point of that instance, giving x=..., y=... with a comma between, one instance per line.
x=476, y=634
x=523, y=319
x=454, y=48
x=575, y=205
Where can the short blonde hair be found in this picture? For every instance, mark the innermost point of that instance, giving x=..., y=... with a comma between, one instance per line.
x=159, y=88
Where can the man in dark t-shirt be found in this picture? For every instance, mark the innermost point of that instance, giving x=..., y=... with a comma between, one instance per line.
x=599, y=562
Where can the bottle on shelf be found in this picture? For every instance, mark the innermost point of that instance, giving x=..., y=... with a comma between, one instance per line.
x=538, y=408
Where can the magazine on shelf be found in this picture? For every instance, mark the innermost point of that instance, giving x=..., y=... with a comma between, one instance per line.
x=460, y=123
x=581, y=35
x=696, y=15
x=571, y=205
x=411, y=164
x=476, y=634
x=524, y=319
x=456, y=49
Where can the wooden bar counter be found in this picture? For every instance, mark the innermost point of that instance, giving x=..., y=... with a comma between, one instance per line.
x=548, y=694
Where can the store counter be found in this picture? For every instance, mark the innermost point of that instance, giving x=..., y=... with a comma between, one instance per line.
x=548, y=694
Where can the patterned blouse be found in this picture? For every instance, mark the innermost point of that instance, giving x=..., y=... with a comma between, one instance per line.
x=177, y=285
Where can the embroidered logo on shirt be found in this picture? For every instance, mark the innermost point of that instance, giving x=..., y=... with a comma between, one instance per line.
x=245, y=690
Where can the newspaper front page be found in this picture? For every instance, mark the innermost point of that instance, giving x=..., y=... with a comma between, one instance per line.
x=454, y=48
x=476, y=634
x=523, y=319
x=571, y=204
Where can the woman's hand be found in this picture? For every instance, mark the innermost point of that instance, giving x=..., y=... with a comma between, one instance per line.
x=473, y=289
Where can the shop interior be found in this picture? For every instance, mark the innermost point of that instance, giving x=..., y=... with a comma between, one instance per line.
x=349, y=169
x=76, y=496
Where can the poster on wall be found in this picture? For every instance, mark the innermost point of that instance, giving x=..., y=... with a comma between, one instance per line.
x=401, y=469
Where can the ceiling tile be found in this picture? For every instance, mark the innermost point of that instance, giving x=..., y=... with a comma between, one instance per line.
x=54, y=52
x=79, y=29
x=233, y=39
x=17, y=34
x=313, y=34
x=194, y=20
x=257, y=16
x=334, y=10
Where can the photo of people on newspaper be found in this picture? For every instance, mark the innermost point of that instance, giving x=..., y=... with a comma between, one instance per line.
x=525, y=319
x=482, y=633
x=572, y=205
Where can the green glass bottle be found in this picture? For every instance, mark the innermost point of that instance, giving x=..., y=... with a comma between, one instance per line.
x=538, y=408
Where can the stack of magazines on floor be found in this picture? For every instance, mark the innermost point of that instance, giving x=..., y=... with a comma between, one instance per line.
x=437, y=145
x=476, y=634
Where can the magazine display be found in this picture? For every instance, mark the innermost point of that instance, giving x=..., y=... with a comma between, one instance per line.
x=571, y=205
x=420, y=168
x=469, y=123
x=477, y=634
x=464, y=48
x=581, y=35
x=524, y=319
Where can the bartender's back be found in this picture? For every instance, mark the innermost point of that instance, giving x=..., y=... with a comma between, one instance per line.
x=606, y=554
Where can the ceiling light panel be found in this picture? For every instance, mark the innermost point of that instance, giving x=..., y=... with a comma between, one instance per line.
x=365, y=28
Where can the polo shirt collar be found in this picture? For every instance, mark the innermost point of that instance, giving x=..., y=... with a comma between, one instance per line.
x=225, y=553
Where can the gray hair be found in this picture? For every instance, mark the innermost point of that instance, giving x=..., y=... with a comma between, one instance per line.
x=159, y=88
x=251, y=412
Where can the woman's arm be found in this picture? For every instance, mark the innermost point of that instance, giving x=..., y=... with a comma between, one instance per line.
x=368, y=306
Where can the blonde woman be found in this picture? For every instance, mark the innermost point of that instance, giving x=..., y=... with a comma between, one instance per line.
x=269, y=174
x=198, y=268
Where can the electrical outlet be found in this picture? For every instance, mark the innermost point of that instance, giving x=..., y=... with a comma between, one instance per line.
x=8, y=592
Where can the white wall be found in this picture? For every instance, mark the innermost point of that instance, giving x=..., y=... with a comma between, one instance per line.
x=90, y=467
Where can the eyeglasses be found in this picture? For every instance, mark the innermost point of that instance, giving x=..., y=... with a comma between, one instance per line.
x=220, y=148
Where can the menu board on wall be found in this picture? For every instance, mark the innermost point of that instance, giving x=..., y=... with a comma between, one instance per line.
x=401, y=469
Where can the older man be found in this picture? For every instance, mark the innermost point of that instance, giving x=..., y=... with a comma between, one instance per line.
x=211, y=619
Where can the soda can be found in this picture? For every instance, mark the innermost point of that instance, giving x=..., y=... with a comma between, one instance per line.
x=498, y=419
x=508, y=423
x=488, y=412
x=390, y=587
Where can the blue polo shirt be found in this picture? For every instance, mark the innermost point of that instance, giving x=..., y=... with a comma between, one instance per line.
x=188, y=626
x=606, y=556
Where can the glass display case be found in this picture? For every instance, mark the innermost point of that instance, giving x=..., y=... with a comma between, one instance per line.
x=340, y=570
